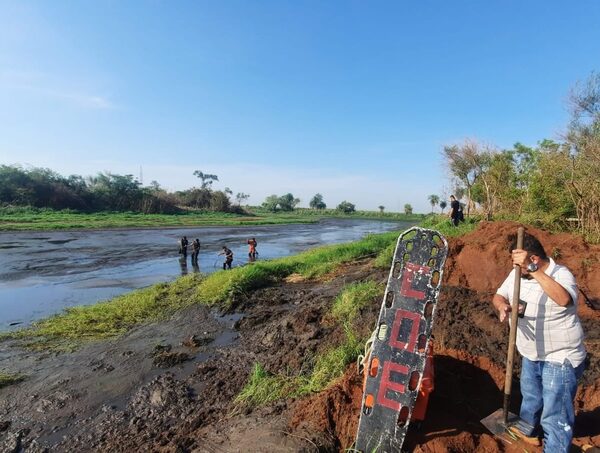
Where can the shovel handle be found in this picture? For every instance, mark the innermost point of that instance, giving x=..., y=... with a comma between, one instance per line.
x=512, y=338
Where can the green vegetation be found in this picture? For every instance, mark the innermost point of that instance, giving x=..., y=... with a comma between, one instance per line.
x=554, y=185
x=353, y=298
x=263, y=387
x=14, y=218
x=7, y=379
x=118, y=315
x=221, y=287
x=27, y=218
x=111, y=318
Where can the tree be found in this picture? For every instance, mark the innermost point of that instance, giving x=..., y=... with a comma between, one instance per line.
x=463, y=163
x=317, y=202
x=583, y=138
x=207, y=179
x=241, y=196
x=381, y=208
x=433, y=200
x=287, y=202
x=443, y=205
x=346, y=207
x=408, y=210
x=271, y=203
x=228, y=191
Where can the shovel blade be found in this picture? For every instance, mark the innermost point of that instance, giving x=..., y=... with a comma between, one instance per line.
x=495, y=422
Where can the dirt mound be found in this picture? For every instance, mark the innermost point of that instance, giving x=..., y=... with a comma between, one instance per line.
x=480, y=260
x=470, y=352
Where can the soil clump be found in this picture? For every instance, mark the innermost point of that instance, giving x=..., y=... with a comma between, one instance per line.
x=115, y=396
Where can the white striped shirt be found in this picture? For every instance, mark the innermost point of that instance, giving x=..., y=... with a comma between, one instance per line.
x=547, y=331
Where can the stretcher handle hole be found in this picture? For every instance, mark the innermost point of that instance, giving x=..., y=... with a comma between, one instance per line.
x=434, y=251
x=428, y=311
x=374, y=368
x=421, y=343
x=382, y=332
x=397, y=269
x=435, y=278
x=403, y=416
x=389, y=299
x=409, y=246
x=413, y=383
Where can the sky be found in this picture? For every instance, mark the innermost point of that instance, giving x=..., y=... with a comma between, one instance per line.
x=351, y=99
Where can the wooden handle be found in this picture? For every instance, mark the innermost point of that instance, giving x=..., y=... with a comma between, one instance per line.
x=512, y=337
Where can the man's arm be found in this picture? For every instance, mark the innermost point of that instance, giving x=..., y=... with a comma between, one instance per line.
x=551, y=287
x=502, y=305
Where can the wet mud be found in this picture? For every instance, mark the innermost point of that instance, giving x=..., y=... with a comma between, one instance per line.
x=114, y=396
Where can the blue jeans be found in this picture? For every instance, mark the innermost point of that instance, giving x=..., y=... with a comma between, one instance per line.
x=548, y=390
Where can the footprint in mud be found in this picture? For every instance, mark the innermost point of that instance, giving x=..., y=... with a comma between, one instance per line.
x=164, y=358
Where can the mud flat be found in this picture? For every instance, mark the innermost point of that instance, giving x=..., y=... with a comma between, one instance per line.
x=171, y=386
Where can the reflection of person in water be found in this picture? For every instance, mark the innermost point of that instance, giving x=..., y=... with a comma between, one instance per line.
x=195, y=251
x=228, y=257
x=252, y=249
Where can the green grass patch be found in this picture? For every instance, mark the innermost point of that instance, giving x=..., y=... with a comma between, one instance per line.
x=443, y=225
x=7, y=379
x=353, y=298
x=263, y=387
x=29, y=218
x=111, y=318
x=222, y=286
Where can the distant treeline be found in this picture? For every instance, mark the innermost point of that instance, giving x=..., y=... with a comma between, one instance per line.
x=44, y=188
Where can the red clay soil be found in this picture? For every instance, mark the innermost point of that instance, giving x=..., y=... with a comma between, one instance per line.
x=470, y=352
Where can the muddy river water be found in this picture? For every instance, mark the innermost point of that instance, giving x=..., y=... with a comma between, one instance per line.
x=43, y=272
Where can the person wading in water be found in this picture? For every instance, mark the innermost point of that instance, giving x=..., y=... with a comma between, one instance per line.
x=195, y=251
x=252, y=249
x=228, y=257
x=183, y=245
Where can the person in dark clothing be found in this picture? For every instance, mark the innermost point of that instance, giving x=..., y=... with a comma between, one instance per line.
x=195, y=250
x=455, y=211
x=228, y=257
x=183, y=245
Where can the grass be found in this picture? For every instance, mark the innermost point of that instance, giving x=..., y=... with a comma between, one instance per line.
x=263, y=388
x=18, y=218
x=353, y=298
x=114, y=317
x=26, y=218
x=7, y=379
x=111, y=318
x=221, y=287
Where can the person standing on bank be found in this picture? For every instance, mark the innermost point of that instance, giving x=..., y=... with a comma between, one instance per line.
x=455, y=210
x=550, y=340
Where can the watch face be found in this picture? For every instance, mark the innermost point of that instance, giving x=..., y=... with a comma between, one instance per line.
x=532, y=267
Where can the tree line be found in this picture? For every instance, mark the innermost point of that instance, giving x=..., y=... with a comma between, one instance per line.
x=44, y=188
x=554, y=184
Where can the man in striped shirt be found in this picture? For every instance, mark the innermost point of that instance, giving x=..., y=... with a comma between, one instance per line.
x=550, y=340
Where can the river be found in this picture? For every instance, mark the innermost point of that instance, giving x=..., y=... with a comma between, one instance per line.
x=42, y=273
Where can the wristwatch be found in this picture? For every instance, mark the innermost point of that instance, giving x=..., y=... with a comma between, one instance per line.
x=532, y=267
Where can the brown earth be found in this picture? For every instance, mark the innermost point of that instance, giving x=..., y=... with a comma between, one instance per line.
x=110, y=396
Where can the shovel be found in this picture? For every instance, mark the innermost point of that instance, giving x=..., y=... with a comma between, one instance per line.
x=499, y=422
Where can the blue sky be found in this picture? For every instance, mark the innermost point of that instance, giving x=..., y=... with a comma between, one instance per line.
x=353, y=99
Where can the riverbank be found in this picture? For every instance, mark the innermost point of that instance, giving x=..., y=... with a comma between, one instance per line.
x=36, y=219
x=277, y=375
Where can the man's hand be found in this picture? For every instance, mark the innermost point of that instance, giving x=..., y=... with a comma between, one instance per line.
x=503, y=307
x=519, y=257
